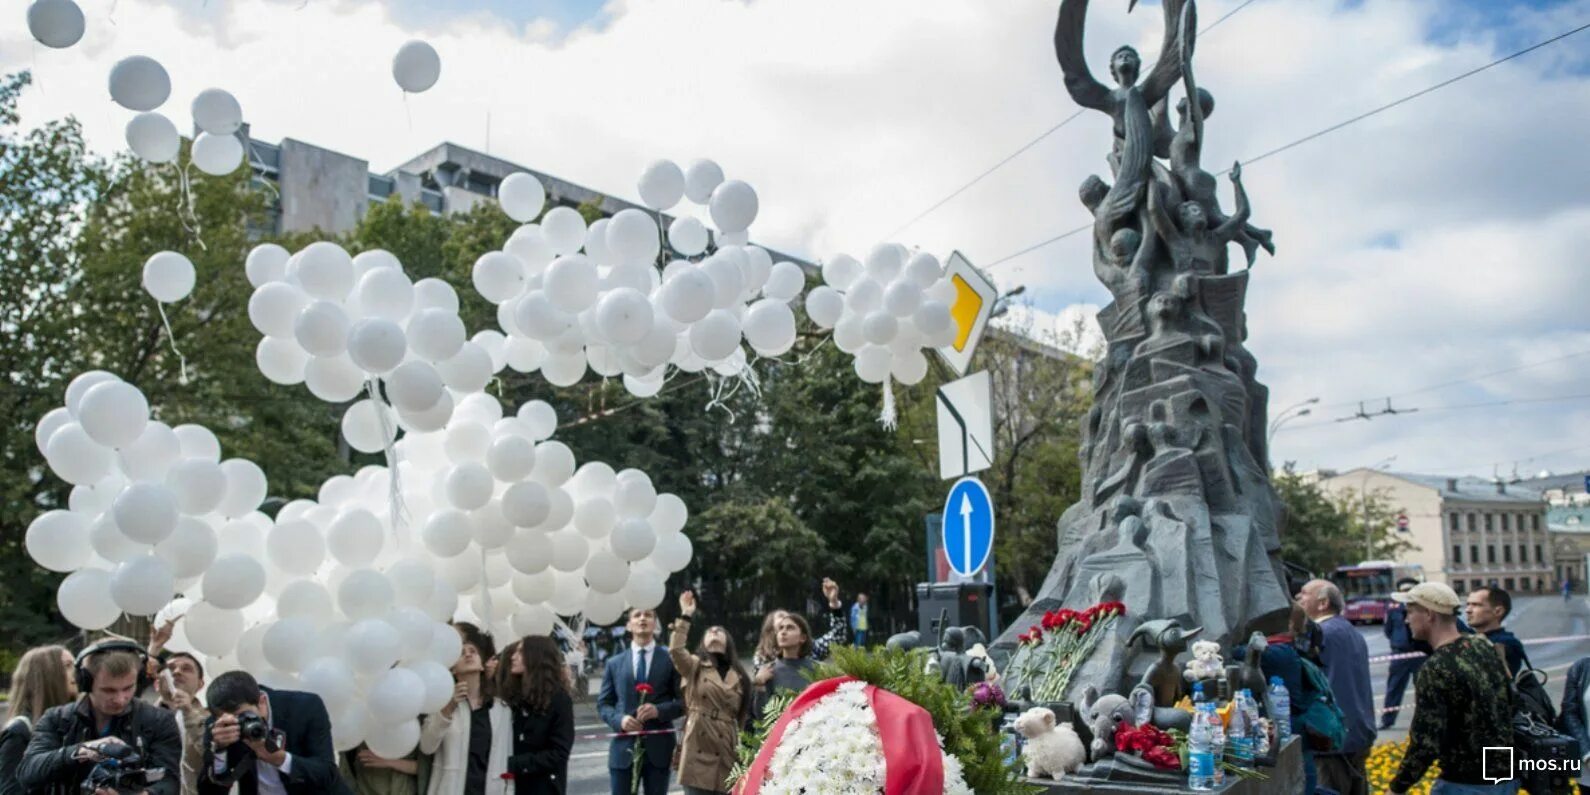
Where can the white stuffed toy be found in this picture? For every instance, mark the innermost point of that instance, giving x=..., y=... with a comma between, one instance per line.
x=1050, y=750
x=1206, y=662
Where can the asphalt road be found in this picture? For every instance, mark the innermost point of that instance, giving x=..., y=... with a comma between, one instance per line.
x=1534, y=618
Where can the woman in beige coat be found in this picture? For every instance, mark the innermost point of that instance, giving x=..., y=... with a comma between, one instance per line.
x=717, y=701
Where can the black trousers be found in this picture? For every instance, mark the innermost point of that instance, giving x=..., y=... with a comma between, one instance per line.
x=1397, y=680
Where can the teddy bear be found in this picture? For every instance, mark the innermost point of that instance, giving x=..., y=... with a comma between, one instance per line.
x=1206, y=662
x=1050, y=750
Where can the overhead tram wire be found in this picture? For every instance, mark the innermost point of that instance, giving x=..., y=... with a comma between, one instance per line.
x=1030, y=144
x=1445, y=384
x=1423, y=410
x=1328, y=130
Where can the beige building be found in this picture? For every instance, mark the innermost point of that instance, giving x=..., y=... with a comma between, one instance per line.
x=1466, y=532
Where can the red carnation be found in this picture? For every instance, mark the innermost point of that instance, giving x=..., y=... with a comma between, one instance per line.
x=643, y=689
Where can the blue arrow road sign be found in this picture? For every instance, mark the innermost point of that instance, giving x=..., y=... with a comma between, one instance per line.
x=968, y=526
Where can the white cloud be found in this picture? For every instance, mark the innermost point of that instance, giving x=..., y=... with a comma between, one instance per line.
x=1433, y=242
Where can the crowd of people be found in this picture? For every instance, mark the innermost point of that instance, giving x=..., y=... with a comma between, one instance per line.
x=509, y=726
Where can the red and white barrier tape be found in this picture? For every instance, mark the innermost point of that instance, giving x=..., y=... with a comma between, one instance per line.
x=1415, y=654
x=623, y=734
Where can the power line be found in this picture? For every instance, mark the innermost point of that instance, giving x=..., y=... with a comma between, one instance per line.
x=1030, y=144
x=1332, y=128
x=1445, y=384
x=1456, y=407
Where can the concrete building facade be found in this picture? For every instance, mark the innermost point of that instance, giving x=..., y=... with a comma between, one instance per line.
x=1465, y=532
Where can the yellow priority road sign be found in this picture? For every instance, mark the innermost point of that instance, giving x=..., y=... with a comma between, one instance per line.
x=974, y=302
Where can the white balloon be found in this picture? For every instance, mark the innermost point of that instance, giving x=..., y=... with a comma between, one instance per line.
x=511, y=458
x=662, y=184
x=673, y=552
x=568, y=596
x=349, y=727
x=234, y=581
x=606, y=572
x=733, y=206
x=602, y=609
x=429, y=420
x=931, y=317
x=245, y=487
x=863, y=296
x=564, y=230
x=633, y=539
x=295, y=547
x=168, y=277
x=701, y=178
x=354, y=539
x=55, y=23
x=840, y=271
x=397, y=695
x=563, y=369
x=687, y=236
x=289, y=642
x=784, y=282
x=369, y=426
x=531, y=620
x=332, y=679
x=154, y=138
x=324, y=270
x=770, y=327
x=384, y=293
x=377, y=345
x=281, y=360
x=645, y=588
x=902, y=297
x=728, y=278
x=190, y=548
x=217, y=112
x=373, y=646
x=468, y=486
x=217, y=155
x=435, y=334
x=643, y=387
x=496, y=347
x=879, y=327
x=435, y=294
x=468, y=370
x=416, y=67
x=414, y=386
x=306, y=599
x=365, y=593
x=669, y=515
x=322, y=329
x=139, y=82
x=85, y=601
x=466, y=440
x=76, y=457
x=571, y=283
x=872, y=363
x=554, y=463
x=498, y=276
x=923, y=269
x=824, y=305
x=689, y=296
x=529, y=245
x=624, y=316
x=522, y=196
x=525, y=355
x=569, y=550
x=489, y=528
x=55, y=420
x=146, y=512
x=334, y=379
x=274, y=307
x=211, y=630
x=715, y=336
x=447, y=533
x=58, y=541
x=114, y=413
x=632, y=238
x=142, y=586
x=885, y=262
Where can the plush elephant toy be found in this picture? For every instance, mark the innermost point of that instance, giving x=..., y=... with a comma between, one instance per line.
x=1103, y=714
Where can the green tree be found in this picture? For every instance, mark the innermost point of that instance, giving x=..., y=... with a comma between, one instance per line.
x=1325, y=530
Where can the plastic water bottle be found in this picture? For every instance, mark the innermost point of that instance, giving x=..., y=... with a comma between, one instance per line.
x=1280, y=709
x=1258, y=738
x=1201, y=754
x=1239, y=732
x=1217, y=743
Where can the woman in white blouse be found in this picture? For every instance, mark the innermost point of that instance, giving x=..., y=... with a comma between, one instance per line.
x=471, y=737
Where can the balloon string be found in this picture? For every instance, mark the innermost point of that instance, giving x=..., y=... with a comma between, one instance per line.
x=720, y=395
x=395, y=511
x=172, y=338
x=407, y=112
x=258, y=165
x=185, y=212
x=888, y=418
x=485, y=591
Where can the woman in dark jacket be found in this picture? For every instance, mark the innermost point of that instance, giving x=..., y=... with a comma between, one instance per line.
x=44, y=678
x=536, y=689
x=1575, y=713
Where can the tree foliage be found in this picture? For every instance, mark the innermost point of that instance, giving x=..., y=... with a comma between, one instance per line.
x=1325, y=530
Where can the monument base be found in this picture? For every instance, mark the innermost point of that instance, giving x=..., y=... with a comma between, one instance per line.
x=1111, y=778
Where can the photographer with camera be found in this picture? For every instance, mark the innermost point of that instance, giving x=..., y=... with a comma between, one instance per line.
x=107, y=742
x=267, y=742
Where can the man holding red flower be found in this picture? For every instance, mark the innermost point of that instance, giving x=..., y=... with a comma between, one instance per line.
x=639, y=696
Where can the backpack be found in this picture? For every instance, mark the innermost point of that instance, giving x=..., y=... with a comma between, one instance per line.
x=1321, y=722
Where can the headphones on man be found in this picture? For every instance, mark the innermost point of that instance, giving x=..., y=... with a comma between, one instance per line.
x=85, y=678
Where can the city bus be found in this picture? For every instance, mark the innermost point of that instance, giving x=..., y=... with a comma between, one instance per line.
x=1368, y=587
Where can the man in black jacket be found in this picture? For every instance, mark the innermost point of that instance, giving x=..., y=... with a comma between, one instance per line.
x=70, y=739
x=296, y=758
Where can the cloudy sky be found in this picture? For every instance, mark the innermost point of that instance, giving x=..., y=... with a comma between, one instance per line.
x=1433, y=254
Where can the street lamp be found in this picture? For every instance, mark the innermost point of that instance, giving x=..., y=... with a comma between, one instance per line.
x=1288, y=414
x=1363, y=494
x=1002, y=303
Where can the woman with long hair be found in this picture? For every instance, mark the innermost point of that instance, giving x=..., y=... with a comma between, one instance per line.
x=469, y=738
x=838, y=629
x=717, y=702
x=535, y=687
x=788, y=672
x=45, y=677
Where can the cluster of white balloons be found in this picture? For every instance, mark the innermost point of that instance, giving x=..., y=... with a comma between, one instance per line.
x=55, y=23
x=153, y=509
x=886, y=312
x=140, y=83
x=571, y=296
x=339, y=323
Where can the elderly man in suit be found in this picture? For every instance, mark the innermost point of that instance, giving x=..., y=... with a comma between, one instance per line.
x=628, y=710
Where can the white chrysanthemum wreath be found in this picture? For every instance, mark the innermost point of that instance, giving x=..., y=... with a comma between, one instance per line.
x=834, y=747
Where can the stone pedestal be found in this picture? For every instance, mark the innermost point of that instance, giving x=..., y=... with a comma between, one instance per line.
x=1117, y=778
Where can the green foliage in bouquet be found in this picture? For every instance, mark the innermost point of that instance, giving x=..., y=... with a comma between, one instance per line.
x=752, y=739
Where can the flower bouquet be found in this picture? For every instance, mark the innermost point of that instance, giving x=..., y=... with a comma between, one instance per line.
x=638, y=753
x=1049, y=653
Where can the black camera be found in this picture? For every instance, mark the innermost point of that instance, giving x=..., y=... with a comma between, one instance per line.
x=120, y=768
x=251, y=726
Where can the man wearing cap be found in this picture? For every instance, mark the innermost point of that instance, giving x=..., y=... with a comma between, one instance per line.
x=1464, y=703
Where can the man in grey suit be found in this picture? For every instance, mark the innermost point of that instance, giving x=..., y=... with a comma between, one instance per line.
x=627, y=710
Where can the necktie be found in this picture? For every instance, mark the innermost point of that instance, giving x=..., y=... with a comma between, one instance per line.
x=640, y=670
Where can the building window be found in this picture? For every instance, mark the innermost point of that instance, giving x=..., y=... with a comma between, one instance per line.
x=1523, y=554
x=1474, y=553
x=1490, y=553
x=1476, y=584
x=1457, y=553
x=1509, y=584
x=1540, y=555
x=1489, y=523
x=1507, y=555
x=1452, y=521
x=1507, y=521
x=1471, y=523
x=1534, y=521
x=1523, y=584
x=1457, y=585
